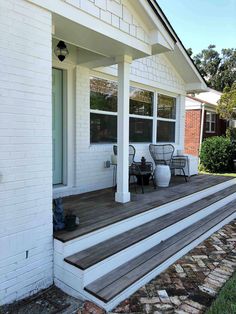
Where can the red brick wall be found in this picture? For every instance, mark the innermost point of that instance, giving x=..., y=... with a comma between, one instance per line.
x=192, y=131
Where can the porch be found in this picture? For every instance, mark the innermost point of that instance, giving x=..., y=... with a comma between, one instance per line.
x=117, y=248
x=98, y=209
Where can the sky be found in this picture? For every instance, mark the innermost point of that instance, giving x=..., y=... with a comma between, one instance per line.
x=199, y=23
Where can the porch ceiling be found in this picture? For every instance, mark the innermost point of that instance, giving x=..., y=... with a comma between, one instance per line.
x=101, y=47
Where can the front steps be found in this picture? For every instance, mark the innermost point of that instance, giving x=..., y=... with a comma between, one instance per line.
x=114, y=265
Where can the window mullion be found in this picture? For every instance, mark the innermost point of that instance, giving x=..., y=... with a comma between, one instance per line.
x=109, y=113
x=154, y=126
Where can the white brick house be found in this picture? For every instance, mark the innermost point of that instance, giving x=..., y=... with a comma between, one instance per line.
x=127, y=42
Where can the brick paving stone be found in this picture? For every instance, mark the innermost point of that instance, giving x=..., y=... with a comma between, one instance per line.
x=178, y=268
x=149, y=300
x=189, y=309
x=175, y=300
x=192, y=283
x=196, y=305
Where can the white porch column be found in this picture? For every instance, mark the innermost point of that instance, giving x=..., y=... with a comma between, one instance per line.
x=123, y=194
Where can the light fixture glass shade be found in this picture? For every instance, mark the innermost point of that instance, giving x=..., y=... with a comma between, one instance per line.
x=61, y=51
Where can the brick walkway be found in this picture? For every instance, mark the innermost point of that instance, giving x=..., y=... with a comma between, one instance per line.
x=191, y=284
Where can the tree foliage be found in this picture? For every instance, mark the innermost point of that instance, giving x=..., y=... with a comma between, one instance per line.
x=218, y=69
x=227, y=104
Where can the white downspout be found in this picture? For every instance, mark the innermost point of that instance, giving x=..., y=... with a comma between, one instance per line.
x=202, y=125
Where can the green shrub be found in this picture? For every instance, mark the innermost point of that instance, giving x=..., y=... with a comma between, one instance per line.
x=217, y=154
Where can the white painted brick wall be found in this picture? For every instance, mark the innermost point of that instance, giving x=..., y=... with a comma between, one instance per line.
x=25, y=150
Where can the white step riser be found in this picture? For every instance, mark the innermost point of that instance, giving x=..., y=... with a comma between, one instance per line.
x=120, y=258
x=68, y=277
x=129, y=291
x=86, y=241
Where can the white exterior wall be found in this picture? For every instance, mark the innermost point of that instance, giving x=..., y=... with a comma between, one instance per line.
x=26, y=261
x=154, y=73
x=116, y=13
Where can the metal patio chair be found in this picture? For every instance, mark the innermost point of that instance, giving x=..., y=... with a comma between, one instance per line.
x=164, y=155
x=132, y=152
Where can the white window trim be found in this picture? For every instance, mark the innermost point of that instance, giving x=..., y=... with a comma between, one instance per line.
x=109, y=113
x=166, y=119
x=211, y=121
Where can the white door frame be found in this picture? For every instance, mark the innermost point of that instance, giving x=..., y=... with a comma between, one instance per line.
x=68, y=126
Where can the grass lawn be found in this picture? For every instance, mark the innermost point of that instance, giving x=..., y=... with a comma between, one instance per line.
x=229, y=174
x=226, y=300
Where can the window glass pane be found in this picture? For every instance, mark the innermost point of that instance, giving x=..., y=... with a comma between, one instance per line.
x=141, y=102
x=208, y=116
x=166, y=107
x=140, y=130
x=165, y=131
x=213, y=117
x=213, y=126
x=103, y=128
x=207, y=126
x=103, y=94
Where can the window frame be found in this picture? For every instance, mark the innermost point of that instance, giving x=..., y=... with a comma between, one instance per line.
x=97, y=111
x=167, y=119
x=210, y=113
x=143, y=117
x=154, y=116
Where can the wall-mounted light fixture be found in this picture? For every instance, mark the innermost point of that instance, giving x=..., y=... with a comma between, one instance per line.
x=61, y=51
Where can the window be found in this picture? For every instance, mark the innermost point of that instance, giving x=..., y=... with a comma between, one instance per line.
x=141, y=115
x=166, y=118
x=210, y=122
x=103, y=114
x=103, y=111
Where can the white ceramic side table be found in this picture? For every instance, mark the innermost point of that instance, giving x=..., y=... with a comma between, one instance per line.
x=162, y=175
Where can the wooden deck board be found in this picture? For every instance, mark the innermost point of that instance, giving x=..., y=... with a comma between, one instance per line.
x=113, y=283
x=98, y=209
x=99, y=252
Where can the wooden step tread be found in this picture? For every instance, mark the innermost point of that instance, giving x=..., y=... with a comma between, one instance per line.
x=103, y=250
x=113, y=283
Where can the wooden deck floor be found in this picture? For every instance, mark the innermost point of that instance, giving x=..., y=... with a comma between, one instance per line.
x=98, y=209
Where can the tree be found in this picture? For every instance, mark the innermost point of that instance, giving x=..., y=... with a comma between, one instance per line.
x=218, y=69
x=227, y=104
x=227, y=109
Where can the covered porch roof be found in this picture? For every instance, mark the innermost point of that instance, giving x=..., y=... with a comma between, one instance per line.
x=103, y=42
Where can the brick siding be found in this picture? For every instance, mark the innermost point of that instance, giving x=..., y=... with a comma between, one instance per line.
x=25, y=150
x=192, y=131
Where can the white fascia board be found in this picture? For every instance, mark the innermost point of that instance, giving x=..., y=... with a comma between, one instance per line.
x=209, y=107
x=192, y=104
x=82, y=18
x=196, y=87
x=193, y=68
x=192, y=108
